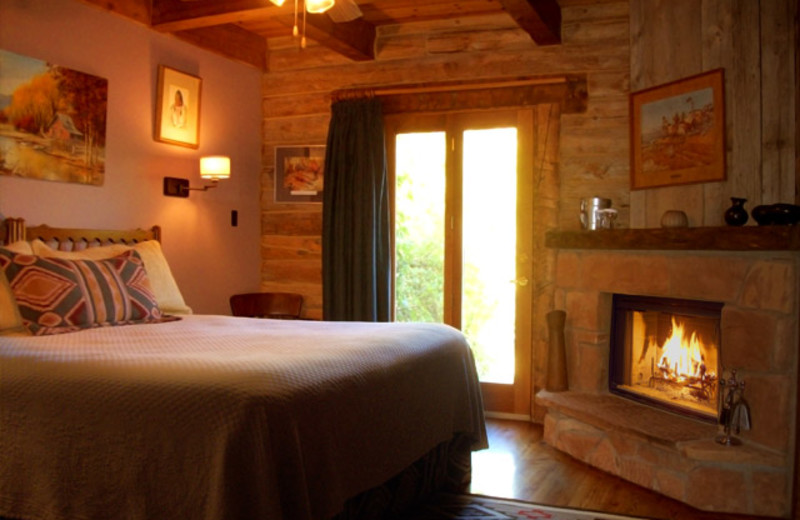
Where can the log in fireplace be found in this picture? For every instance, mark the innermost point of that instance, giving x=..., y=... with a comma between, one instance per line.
x=665, y=352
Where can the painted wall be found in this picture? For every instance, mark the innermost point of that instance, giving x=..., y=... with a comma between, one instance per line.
x=210, y=259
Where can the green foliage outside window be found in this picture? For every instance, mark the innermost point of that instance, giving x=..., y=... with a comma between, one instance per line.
x=419, y=256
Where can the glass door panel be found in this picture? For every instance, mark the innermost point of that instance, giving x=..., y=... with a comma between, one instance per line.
x=489, y=241
x=419, y=226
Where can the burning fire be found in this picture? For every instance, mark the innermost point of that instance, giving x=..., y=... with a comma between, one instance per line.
x=682, y=359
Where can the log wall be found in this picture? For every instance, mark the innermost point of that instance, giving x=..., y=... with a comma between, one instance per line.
x=594, y=149
x=620, y=46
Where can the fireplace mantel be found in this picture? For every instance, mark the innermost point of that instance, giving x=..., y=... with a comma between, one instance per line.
x=747, y=238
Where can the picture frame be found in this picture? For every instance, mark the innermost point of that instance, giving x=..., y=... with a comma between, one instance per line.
x=678, y=132
x=178, y=107
x=53, y=121
x=299, y=173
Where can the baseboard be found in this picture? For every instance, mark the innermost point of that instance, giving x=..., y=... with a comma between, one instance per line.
x=508, y=416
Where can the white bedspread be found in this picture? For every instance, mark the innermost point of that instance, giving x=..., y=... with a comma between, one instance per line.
x=222, y=418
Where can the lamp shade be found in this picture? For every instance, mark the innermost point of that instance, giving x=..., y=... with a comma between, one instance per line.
x=319, y=6
x=277, y=2
x=215, y=167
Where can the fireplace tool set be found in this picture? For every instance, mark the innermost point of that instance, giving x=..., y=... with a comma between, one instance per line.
x=734, y=412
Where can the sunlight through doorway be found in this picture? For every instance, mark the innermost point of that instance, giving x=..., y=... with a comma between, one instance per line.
x=486, y=245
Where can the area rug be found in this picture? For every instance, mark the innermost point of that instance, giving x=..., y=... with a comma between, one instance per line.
x=476, y=507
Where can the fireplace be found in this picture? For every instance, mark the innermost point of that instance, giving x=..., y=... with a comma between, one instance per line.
x=736, y=288
x=665, y=352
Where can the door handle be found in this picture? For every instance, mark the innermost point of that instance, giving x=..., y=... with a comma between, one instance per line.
x=522, y=282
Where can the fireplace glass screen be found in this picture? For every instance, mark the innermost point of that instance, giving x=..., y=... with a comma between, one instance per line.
x=665, y=352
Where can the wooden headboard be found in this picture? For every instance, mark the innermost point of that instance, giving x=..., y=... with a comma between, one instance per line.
x=14, y=229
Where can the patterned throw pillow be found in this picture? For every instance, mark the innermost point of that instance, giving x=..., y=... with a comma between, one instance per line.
x=56, y=295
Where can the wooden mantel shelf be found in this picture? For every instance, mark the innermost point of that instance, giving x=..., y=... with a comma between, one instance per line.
x=747, y=238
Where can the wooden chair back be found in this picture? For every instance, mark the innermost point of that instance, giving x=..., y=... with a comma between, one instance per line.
x=276, y=305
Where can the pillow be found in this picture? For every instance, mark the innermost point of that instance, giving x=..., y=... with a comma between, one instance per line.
x=55, y=295
x=169, y=297
x=20, y=246
x=10, y=320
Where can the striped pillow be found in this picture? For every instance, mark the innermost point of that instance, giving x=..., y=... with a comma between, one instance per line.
x=55, y=295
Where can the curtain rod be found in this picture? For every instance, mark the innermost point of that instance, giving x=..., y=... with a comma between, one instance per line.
x=355, y=93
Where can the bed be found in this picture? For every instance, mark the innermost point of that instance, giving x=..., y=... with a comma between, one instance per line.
x=178, y=415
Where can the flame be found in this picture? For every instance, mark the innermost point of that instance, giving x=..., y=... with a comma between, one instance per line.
x=682, y=357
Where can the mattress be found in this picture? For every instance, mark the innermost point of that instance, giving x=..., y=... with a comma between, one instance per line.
x=216, y=417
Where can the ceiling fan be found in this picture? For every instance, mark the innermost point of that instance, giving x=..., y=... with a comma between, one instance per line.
x=338, y=11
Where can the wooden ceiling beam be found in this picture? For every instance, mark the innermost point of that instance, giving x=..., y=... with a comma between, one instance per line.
x=230, y=41
x=190, y=21
x=355, y=39
x=539, y=18
x=176, y=15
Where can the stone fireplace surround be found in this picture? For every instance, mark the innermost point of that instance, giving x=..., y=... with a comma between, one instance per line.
x=755, y=273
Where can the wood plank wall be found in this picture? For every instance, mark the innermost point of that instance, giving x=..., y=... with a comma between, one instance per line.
x=594, y=144
x=620, y=46
x=755, y=42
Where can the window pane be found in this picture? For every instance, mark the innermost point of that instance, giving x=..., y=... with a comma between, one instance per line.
x=489, y=249
x=419, y=227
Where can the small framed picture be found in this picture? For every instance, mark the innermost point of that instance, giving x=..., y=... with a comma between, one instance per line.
x=678, y=132
x=299, y=173
x=178, y=107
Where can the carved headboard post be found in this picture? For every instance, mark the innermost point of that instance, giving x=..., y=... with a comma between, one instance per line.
x=13, y=230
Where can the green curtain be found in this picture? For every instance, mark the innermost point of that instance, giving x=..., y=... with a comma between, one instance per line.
x=356, y=252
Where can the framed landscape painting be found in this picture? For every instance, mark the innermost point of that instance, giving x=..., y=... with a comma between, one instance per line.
x=52, y=121
x=178, y=107
x=678, y=132
x=299, y=173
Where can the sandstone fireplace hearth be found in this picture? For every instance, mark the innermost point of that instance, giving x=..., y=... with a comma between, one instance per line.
x=752, y=281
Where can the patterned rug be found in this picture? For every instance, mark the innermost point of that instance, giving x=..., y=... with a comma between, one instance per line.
x=476, y=507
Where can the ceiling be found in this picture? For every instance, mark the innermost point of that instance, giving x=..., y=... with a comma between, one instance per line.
x=242, y=29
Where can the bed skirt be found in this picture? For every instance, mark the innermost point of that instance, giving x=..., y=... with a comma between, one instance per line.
x=447, y=467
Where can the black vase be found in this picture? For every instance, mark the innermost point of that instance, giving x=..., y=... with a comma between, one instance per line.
x=736, y=215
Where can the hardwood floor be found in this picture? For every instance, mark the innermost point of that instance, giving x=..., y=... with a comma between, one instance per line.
x=518, y=464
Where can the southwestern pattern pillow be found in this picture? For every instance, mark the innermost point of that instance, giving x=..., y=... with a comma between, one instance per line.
x=56, y=295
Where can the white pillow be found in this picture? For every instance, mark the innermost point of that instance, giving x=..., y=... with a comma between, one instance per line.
x=165, y=288
x=10, y=320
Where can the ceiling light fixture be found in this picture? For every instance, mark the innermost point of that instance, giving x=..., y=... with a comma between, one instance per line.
x=318, y=6
x=309, y=6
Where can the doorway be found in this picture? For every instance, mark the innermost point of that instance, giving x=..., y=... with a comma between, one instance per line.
x=462, y=241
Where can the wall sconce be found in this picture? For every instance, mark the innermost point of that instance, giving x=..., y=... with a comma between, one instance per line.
x=212, y=168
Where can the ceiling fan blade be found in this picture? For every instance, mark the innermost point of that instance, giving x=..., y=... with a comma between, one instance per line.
x=344, y=11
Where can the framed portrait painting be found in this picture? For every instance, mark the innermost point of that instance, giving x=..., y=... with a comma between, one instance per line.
x=178, y=107
x=678, y=132
x=299, y=173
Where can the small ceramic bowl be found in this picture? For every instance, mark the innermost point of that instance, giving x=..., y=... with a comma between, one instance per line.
x=674, y=218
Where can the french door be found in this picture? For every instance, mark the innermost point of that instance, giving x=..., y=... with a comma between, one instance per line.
x=462, y=199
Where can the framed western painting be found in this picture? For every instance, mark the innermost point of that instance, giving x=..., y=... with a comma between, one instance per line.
x=178, y=107
x=52, y=121
x=678, y=132
x=299, y=173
